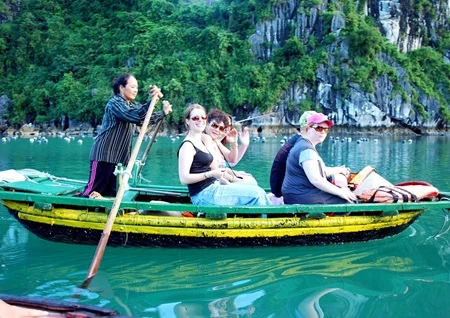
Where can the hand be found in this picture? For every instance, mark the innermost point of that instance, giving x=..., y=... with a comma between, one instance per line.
x=155, y=91
x=232, y=136
x=224, y=181
x=218, y=173
x=345, y=171
x=167, y=107
x=244, y=137
x=348, y=195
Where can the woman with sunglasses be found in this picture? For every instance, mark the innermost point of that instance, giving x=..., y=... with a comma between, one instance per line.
x=218, y=127
x=306, y=180
x=194, y=169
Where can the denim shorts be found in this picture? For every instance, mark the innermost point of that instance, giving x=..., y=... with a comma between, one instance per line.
x=231, y=194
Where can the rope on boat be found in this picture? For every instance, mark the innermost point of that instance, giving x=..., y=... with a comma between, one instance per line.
x=121, y=171
x=446, y=212
x=140, y=164
x=32, y=173
x=146, y=180
x=446, y=218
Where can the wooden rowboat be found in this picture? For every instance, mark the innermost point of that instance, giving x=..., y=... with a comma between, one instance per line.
x=163, y=216
x=18, y=306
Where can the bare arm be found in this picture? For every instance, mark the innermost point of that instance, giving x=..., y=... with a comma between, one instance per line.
x=314, y=176
x=185, y=158
x=244, y=138
x=231, y=155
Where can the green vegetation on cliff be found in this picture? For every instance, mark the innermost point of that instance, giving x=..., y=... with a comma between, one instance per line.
x=58, y=57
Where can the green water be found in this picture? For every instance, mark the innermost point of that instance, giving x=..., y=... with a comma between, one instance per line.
x=407, y=275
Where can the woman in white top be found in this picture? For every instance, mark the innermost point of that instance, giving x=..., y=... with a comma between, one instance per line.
x=217, y=128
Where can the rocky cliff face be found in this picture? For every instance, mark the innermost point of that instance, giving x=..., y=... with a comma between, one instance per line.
x=386, y=107
x=9, y=10
x=405, y=26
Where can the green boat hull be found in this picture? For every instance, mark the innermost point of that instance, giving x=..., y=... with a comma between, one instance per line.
x=163, y=216
x=81, y=235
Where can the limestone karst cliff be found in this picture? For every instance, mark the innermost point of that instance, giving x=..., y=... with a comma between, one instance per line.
x=392, y=100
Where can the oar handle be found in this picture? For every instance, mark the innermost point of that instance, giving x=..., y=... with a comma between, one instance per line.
x=95, y=264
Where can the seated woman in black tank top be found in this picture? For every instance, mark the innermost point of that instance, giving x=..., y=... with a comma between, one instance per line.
x=194, y=169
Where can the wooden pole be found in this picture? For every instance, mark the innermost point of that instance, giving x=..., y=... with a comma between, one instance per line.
x=251, y=118
x=95, y=264
x=149, y=146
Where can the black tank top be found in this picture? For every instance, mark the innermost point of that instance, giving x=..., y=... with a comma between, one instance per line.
x=201, y=164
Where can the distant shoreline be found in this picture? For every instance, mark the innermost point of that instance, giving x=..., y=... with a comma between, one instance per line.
x=30, y=131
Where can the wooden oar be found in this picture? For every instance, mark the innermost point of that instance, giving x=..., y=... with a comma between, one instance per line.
x=95, y=264
x=149, y=146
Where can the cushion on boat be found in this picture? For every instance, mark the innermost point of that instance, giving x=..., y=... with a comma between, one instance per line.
x=399, y=194
x=11, y=175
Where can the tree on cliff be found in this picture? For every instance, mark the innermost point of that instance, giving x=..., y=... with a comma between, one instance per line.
x=58, y=58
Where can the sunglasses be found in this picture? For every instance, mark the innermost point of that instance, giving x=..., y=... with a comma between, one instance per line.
x=215, y=126
x=197, y=118
x=321, y=129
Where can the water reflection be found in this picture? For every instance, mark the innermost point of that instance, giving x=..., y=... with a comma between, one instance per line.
x=234, y=307
x=310, y=306
x=242, y=274
x=203, y=278
x=13, y=240
x=12, y=245
x=15, y=235
x=393, y=276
